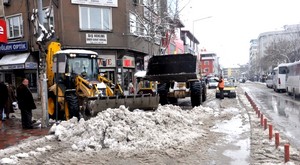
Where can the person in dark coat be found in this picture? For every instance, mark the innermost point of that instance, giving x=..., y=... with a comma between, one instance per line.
x=26, y=104
x=3, y=99
x=11, y=98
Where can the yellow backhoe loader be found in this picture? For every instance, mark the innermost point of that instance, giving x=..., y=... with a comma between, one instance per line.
x=75, y=87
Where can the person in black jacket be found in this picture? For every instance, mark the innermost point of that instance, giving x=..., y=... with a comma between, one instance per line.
x=3, y=99
x=26, y=104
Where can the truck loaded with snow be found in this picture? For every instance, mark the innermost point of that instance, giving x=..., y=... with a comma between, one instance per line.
x=178, y=77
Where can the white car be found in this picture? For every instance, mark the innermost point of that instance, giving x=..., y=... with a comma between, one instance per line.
x=212, y=83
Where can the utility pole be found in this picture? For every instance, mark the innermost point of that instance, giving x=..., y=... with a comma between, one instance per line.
x=43, y=78
x=43, y=35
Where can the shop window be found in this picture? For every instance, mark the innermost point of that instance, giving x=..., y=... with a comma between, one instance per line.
x=32, y=78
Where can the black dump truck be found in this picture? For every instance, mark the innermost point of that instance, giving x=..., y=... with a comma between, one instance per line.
x=178, y=77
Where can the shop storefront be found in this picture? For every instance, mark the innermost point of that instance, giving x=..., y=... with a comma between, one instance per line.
x=107, y=66
x=16, y=64
x=128, y=70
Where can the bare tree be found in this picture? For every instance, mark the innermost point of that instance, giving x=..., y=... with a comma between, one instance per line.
x=156, y=22
x=294, y=35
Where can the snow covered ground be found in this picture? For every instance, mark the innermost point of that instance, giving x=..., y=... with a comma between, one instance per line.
x=222, y=131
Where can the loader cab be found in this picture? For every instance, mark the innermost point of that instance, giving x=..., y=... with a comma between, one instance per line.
x=72, y=63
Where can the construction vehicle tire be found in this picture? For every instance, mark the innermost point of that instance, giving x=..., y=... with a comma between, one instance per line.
x=204, y=94
x=162, y=91
x=173, y=100
x=73, y=105
x=196, y=94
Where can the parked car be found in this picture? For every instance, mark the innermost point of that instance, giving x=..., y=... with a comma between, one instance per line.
x=269, y=81
x=229, y=90
x=212, y=83
x=242, y=80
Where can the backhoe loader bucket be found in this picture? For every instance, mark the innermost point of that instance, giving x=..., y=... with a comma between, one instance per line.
x=144, y=102
x=165, y=68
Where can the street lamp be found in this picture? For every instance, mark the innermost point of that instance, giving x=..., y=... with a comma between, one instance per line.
x=194, y=29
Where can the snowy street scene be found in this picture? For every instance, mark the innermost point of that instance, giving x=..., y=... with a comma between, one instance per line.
x=149, y=82
x=219, y=132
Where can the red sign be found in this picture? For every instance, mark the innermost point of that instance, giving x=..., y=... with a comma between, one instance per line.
x=127, y=63
x=3, y=33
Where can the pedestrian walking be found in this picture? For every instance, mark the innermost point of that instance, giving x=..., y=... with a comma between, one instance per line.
x=26, y=104
x=221, y=85
x=3, y=99
x=131, y=88
x=11, y=98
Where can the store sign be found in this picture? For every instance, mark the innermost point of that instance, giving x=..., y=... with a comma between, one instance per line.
x=14, y=47
x=109, y=3
x=107, y=61
x=128, y=62
x=31, y=65
x=9, y=67
x=3, y=33
x=95, y=38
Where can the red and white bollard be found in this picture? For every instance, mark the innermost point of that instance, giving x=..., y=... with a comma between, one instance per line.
x=265, y=124
x=270, y=131
x=286, y=153
x=276, y=139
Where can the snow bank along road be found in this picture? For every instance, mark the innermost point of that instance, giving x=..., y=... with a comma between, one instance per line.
x=219, y=132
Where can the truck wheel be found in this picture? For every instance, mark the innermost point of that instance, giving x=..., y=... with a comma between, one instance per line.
x=204, y=94
x=196, y=94
x=72, y=110
x=162, y=91
x=173, y=100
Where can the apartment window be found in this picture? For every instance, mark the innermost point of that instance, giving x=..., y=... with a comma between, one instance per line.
x=133, y=23
x=15, y=26
x=95, y=18
x=206, y=63
x=51, y=19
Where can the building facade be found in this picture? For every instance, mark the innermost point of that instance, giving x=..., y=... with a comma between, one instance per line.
x=111, y=28
x=210, y=64
x=287, y=43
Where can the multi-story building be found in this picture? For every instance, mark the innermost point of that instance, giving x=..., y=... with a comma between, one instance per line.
x=209, y=64
x=253, y=61
x=234, y=72
x=122, y=32
x=290, y=35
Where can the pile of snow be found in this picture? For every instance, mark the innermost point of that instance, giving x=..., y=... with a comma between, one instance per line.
x=122, y=130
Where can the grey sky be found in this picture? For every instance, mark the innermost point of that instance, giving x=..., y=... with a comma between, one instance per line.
x=235, y=22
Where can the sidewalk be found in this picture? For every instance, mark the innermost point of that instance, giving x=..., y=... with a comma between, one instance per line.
x=12, y=133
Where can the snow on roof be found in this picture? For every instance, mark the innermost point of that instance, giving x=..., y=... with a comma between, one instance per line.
x=81, y=51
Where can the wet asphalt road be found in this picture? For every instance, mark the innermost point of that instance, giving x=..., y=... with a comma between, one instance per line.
x=281, y=109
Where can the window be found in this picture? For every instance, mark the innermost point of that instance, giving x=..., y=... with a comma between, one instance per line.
x=95, y=18
x=51, y=19
x=15, y=26
x=206, y=62
x=133, y=23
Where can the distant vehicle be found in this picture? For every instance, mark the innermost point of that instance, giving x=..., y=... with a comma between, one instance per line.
x=212, y=83
x=279, y=77
x=242, y=80
x=269, y=81
x=229, y=90
x=293, y=79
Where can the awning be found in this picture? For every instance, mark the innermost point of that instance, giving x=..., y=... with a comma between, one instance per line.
x=140, y=74
x=16, y=61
